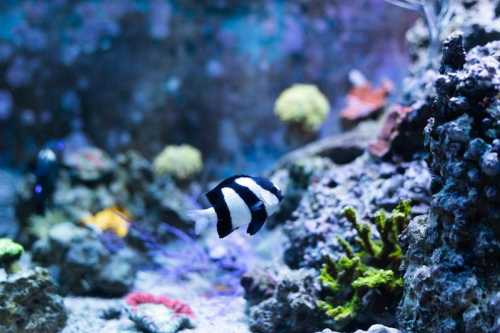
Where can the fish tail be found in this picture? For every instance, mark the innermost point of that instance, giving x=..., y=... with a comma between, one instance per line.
x=202, y=218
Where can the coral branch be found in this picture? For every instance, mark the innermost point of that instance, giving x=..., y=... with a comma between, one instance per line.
x=374, y=267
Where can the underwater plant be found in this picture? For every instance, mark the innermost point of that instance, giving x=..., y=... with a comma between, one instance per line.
x=10, y=252
x=365, y=285
x=302, y=105
x=182, y=162
x=113, y=219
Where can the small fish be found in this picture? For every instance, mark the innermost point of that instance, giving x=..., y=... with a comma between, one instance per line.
x=238, y=201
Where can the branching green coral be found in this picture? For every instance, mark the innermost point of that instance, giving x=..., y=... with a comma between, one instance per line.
x=375, y=266
x=302, y=104
x=181, y=162
x=10, y=252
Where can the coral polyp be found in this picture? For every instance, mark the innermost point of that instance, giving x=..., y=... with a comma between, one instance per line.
x=303, y=105
x=181, y=162
x=10, y=252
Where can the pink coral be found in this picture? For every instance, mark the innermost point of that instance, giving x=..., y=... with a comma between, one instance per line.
x=137, y=298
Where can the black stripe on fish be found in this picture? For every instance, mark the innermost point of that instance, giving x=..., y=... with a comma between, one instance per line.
x=268, y=186
x=257, y=223
x=224, y=224
x=256, y=206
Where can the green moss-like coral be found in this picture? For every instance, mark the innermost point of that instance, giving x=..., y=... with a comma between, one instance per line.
x=10, y=252
x=181, y=162
x=370, y=274
x=39, y=225
x=303, y=105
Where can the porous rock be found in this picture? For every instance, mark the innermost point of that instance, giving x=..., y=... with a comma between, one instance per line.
x=452, y=264
x=82, y=264
x=30, y=303
x=292, y=306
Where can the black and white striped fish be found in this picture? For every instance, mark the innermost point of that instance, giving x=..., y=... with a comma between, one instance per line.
x=238, y=201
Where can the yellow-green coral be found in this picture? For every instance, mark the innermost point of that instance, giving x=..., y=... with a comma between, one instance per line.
x=113, y=219
x=10, y=252
x=181, y=162
x=39, y=225
x=304, y=105
x=374, y=266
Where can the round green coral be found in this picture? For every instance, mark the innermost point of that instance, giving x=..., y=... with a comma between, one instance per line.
x=304, y=105
x=10, y=251
x=181, y=162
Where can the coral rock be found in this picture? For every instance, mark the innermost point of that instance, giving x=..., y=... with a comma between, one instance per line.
x=452, y=267
x=291, y=309
x=30, y=304
x=389, y=131
x=84, y=264
x=154, y=318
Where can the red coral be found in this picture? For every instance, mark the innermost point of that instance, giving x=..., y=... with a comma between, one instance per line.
x=137, y=298
x=364, y=101
x=389, y=131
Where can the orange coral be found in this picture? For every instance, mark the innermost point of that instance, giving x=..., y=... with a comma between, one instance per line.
x=364, y=101
x=115, y=219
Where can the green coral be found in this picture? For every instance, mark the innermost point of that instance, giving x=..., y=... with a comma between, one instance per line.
x=10, y=252
x=40, y=225
x=182, y=162
x=375, y=266
x=303, y=105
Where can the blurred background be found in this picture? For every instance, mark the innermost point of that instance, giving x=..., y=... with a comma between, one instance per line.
x=138, y=74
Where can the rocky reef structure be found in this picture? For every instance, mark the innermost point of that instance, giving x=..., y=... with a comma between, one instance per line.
x=478, y=21
x=451, y=279
x=450, y=262
x=82, y=264
x=290, y=307
x=30, y=303
x=92, y=226
x=366, y=185
x=373, y=329
x=8, y=181
x=89, y=182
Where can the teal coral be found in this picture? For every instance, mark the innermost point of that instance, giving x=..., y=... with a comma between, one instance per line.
x=349, y=280
x=181, y=162
x=10, y=252
x=304, y=105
